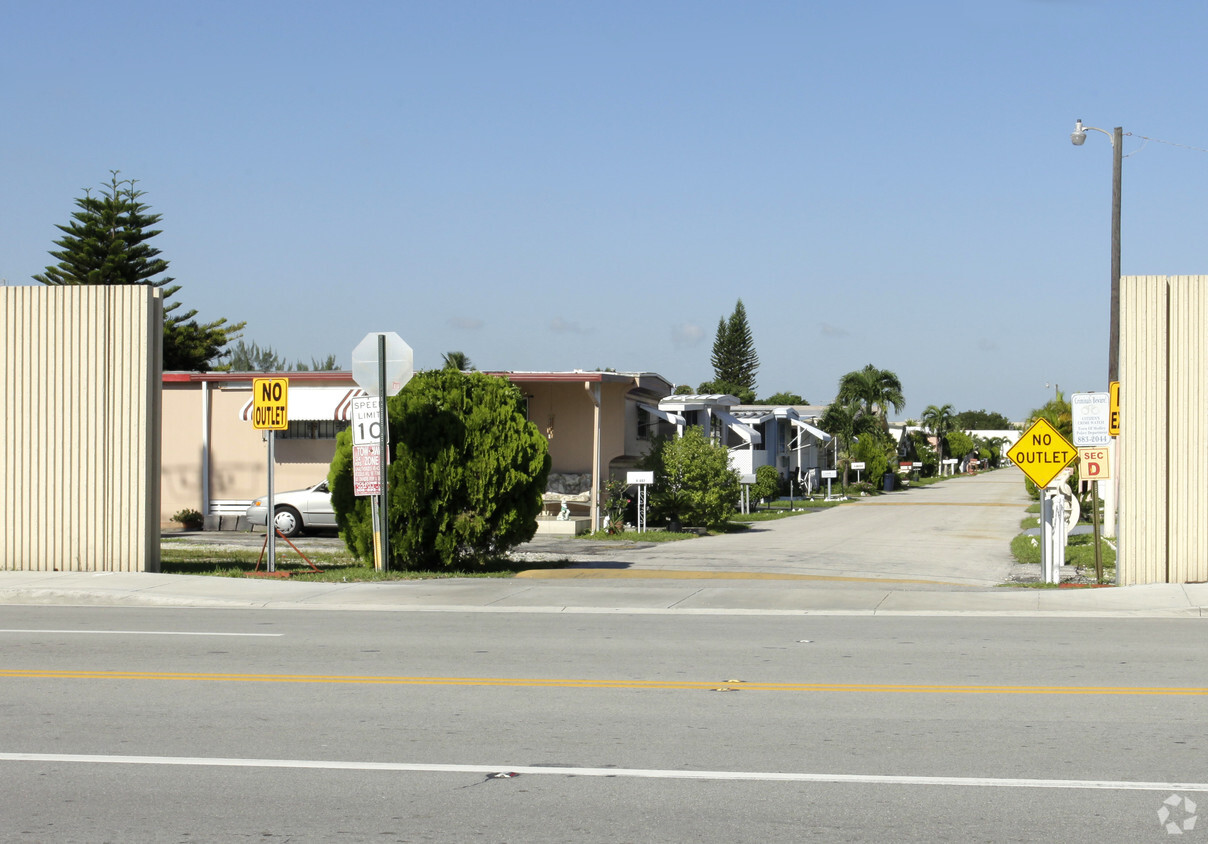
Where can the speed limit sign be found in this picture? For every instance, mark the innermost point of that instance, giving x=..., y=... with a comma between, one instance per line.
x=366, y=420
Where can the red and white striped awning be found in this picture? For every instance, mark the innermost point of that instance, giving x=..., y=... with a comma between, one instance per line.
x=310, y=404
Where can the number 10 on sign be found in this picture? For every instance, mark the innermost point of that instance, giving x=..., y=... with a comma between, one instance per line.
x=366, y=420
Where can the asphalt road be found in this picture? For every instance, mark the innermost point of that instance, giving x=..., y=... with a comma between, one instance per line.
x=126, y=724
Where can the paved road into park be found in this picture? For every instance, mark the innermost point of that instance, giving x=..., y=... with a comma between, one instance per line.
x=955, y=532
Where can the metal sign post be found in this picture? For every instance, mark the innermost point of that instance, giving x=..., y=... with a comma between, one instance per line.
x=1096, y=468
x=643, y=480
x=270, y=413
x=830, y=475
x=858, y=465
x=744, y=498
x=270, y=515
x=384, y=498
x=1094, y=418
x=381, y=365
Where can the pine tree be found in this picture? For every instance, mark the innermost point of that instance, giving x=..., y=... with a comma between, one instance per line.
x=721, y=358
x=106, y=243
x=734, y=359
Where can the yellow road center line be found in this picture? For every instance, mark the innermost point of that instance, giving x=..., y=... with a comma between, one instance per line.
x=571, y=683
x=1018, y=506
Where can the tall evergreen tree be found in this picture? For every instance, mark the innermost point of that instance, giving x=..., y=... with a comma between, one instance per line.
x=721, y=357
x=734, y=359
x=106, y=242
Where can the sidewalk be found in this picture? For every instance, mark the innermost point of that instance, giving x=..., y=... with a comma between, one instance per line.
x=593, y=591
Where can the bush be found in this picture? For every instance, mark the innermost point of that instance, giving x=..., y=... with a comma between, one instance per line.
x=960, y=444
x=693, y=480
x=926, y=455
x=467, y=476
x=767, y=483
x=615, y=496
x=874, y=451
x=189, y=519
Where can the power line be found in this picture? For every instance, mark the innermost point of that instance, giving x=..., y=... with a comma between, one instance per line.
x=1160, y=141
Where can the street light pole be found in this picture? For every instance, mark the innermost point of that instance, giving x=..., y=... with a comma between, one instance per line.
x=1116, y=136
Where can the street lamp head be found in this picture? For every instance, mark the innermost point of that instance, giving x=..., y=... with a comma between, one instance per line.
x=1078, y=136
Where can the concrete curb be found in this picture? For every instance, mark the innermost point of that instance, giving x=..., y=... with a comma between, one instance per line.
x=651, y=596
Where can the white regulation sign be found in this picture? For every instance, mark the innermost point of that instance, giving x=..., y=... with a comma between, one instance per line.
x=366, y=470
x=366, y=420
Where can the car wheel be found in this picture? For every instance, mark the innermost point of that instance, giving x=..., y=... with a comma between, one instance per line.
x=288, y=521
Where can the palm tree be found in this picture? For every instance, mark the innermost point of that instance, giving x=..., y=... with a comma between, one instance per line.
x=458, y=360
x=845, y=421
x=940, y=421
x=876, y=389
x=1058, y=412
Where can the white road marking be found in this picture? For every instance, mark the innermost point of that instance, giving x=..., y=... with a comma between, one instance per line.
x=143, y=632
x=756, y=776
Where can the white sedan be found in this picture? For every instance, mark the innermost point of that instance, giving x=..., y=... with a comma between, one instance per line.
x=296, y=510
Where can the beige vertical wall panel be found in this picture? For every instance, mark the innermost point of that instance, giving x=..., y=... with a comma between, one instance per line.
x=1143, y=429
x=1187, y=555
x=1163, y=443
x=79, y=464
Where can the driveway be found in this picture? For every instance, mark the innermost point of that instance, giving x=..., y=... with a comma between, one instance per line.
x=956, y=532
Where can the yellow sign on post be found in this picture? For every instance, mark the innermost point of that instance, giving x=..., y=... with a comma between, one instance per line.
x=1042, y=452
x=1113, y=418
x=270, y=404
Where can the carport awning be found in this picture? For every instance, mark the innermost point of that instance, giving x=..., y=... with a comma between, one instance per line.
x=810, y=429
x=745, y=431
x=666, y=416
x=312, y=404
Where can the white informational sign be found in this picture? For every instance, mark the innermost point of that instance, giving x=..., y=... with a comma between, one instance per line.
x=366, y=470
x=830, y=473
x=366, y=420
x=858, y=464
x=639, y=478
x=1091, y=415
x=747, y=479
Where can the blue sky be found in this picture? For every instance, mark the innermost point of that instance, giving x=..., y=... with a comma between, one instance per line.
x=552, y=185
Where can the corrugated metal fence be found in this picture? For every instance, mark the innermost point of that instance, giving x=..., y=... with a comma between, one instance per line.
x=79, y=384
x=1163, y=443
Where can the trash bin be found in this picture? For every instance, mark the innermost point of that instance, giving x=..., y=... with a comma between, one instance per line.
x=887, y=481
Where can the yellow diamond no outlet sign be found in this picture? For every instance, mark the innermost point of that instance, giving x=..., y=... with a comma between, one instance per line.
x=1042, y=452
